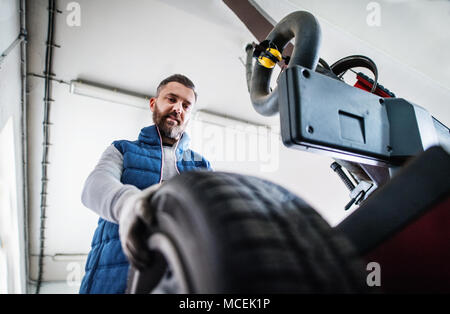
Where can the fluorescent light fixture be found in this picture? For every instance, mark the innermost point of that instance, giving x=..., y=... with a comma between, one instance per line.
x=129, y=98
x=229, y=122
x=109, y=94
x=69, y=257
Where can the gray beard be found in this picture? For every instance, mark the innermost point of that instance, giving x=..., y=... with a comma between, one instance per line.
x=174, y=132
x=169, y=132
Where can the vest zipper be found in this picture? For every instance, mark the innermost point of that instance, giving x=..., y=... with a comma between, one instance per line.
x=175, y=154
x=162, y=154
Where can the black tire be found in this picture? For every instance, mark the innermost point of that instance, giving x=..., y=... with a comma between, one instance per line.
x=241, y=234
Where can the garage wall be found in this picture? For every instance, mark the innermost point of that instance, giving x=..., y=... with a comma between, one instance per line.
x=12, y=205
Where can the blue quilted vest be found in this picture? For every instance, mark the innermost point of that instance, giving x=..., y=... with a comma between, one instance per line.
x=107, y=266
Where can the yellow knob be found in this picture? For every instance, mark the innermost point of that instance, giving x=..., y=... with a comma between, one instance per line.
x=275, y=53
x=266, y=62
x=267, y=58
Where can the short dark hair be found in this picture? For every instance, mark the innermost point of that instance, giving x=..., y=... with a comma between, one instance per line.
x=179, y=78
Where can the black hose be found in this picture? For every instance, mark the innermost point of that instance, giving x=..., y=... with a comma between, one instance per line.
x=324, y=64
x=306, y=30
x=46, y=131
x=344, y=64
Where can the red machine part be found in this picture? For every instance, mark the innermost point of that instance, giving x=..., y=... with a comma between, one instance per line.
x=365, y=83
x=417, y=259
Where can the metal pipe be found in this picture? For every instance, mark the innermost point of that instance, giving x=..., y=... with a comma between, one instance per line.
x=249, y=64
x=53, y=79
x=46, y=135
x=23, y=101
x=11, y=47
x=306, y=30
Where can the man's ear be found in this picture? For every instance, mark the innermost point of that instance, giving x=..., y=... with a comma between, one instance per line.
x=152, y=104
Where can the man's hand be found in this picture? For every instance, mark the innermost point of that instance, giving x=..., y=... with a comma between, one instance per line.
x=134, y=223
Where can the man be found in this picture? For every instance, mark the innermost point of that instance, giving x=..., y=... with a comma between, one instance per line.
x=114, y=188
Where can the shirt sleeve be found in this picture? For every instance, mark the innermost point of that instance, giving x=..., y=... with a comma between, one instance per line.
x=103, y=192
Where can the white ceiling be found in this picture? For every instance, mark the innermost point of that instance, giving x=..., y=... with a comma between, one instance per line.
x=135, y=44
x=414, y=33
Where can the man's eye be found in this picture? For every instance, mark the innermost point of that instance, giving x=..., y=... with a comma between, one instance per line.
x=172, y=99
x=186, y=106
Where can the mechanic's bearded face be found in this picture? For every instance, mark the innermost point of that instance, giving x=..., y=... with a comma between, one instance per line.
x=171, y=109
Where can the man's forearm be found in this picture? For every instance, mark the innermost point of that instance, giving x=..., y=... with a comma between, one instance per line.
x=103, y=191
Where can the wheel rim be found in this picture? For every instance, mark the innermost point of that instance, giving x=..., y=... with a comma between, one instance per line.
x=174, y=279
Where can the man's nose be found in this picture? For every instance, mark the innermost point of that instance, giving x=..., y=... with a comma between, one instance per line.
x=178, y=106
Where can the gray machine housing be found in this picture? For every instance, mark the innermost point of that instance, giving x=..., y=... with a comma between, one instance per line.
x=325, y=115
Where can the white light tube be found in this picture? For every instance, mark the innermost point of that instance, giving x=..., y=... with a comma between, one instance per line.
x=225, y=121
x=109, y=94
